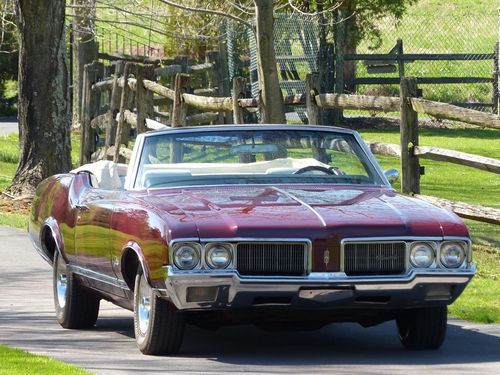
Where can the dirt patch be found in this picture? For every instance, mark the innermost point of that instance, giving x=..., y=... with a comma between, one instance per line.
x=18, y=205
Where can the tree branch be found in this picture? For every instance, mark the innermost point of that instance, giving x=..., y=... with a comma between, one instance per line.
x=209, y=11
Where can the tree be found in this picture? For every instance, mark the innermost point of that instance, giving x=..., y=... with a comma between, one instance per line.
x=44, y=131
x=271, y=99
x=84, y=49
x=8, y=45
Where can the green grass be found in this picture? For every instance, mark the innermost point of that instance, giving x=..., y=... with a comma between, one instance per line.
x=15, y=361
x=14, y=220
x=463, y=26
x=480, y=301
x=9, y=156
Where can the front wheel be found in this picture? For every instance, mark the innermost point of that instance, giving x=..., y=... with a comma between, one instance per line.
x=75, y=307
x=423, y=329
x=158, y=326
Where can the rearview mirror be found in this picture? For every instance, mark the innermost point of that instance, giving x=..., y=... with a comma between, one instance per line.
x=392, y=175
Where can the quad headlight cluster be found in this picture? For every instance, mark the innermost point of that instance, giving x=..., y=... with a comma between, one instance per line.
x=448, y=254
x=192, y=255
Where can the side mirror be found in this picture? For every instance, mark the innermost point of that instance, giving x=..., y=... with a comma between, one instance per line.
x=392, y=175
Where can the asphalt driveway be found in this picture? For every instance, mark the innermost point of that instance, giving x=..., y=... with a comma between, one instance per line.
x=8, y=125
x=27, y=321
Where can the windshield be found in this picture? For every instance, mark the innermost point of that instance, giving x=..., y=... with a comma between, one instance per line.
x=253, y=157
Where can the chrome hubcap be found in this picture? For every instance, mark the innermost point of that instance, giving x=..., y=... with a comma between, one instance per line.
x=143, y=305
x=61, y=284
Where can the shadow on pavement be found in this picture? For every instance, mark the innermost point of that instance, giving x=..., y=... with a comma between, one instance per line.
x=335, y=344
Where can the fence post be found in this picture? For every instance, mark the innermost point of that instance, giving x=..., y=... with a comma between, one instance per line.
x=121, y=119
x=401, y=63
x=114, y=105
x=183, y=61
x=144, y=97
x=313, y=111
x=90, y=109
x=340, y=34
x=496, y=75
x=216, y=78
x=85, y=115
x=239, y=90
x=179, y=110
x=410, y=167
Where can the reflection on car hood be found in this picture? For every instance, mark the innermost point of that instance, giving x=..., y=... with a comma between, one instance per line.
x=302, y=211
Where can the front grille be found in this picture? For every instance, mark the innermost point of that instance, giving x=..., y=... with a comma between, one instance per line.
x=378, y=258
x=269, y=259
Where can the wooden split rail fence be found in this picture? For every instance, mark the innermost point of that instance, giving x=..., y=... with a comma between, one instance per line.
x=130, y=78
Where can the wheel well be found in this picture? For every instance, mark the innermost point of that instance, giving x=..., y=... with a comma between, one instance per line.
x=49, y=245
x=129, y=264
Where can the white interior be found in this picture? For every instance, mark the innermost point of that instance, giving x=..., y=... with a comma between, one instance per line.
x=105, y=174
x=108, y=175
x=162, y=173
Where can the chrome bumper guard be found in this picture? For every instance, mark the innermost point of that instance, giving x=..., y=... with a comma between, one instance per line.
x=227, y=290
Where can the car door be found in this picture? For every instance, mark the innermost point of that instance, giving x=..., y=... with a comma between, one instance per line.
x=94, y=210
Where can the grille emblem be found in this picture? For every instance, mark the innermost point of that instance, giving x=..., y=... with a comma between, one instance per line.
x=326, y=257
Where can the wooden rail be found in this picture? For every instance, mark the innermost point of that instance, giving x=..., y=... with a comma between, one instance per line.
x=465, y=210
x=451, y=112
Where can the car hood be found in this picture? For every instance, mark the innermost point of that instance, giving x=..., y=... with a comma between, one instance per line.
x=285, y=211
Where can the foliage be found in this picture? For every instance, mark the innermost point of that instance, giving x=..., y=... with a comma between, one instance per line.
x=201, y=25
x=364, y=14
x=15, y=361
x=8, y=50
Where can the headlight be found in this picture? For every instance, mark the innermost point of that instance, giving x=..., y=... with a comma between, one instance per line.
x=452, y=254
x=218, y=255
x=186, y=256
x=421, y=254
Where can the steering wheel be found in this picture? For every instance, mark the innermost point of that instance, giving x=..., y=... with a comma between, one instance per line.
x=309, y=168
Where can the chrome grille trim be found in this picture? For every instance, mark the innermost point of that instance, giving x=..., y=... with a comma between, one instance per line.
x=265, y=258
x=374, y=258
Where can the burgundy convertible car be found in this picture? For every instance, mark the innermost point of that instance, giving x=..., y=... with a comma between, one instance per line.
x=285, y=227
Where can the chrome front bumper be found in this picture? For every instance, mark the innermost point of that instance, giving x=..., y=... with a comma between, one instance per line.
x=229, y=290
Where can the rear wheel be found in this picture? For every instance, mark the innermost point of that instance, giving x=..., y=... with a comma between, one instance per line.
x=75, y=306
x=423, y=329
x=158, y=326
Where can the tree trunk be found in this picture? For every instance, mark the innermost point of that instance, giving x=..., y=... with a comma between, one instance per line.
x=350, y=46
x=85, y=51
x=271, y=99
x=44, y=131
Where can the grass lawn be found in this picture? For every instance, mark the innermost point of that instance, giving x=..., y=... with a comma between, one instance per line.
x=15, y=361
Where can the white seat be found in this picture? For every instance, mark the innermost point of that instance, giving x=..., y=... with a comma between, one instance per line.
x=105, y=174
